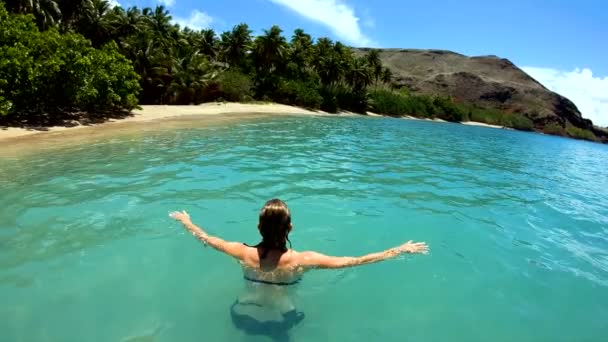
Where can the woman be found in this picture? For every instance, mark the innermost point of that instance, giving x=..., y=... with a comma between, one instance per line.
x=271, y=264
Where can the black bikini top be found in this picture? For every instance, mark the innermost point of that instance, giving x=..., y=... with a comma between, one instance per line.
x=271, y=282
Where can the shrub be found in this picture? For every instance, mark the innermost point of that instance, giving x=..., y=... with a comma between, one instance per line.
x=398, y=103
x=330, y=103
x=554, y=128
x=389, y=102
x=519, y=122
x=446, y=109
x=354, y=100
x=298, y=93
x=230, y=86
x=110, y=83
x=486, y=116
x=580, y=133
x=48, y=72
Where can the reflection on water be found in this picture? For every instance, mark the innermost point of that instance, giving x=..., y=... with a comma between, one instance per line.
x=266, y=310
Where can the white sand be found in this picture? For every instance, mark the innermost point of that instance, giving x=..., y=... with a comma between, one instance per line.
x=409, y=117
x=481, y=124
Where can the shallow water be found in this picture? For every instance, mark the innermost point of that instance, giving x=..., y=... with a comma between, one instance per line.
x=517, y=224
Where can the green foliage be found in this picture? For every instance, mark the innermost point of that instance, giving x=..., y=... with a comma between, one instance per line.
x=354, y=100
x=554, y=128
x=446, y=109
x=235, y=45
x=110, y=83
x=233, y=86
x=46, y=72
x=6, y=106
x=47, y=13
x=341, y=96
x=495, y=117
x=390, y=102
x=91, y=56
x=191, y=74
x=299, y=93
x=518, y=121
x=401, y=103
x=177, y=65
x=579, y=133
x=330, y=94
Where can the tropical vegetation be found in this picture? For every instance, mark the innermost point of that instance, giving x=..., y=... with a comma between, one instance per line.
x=66, y=56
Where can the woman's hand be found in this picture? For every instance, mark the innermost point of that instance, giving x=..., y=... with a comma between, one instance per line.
x=414, y=247
x=181, y=216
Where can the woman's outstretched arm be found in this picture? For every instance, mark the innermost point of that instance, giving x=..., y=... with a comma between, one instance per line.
x=318, y=260
x=233, y=249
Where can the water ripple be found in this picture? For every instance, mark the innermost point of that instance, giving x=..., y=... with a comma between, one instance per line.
x=499, y=208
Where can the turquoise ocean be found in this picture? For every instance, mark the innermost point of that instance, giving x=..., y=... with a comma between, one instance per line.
x=517, y=225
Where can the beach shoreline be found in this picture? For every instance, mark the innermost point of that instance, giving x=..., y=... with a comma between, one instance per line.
x=481, y=124
x=150, y=113
x=153, y=114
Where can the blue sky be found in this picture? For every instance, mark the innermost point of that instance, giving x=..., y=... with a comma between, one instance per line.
x=561, y=43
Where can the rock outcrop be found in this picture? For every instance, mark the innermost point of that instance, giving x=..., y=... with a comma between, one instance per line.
x=484, y=81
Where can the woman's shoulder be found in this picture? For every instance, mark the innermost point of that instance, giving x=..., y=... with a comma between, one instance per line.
x=301, y=258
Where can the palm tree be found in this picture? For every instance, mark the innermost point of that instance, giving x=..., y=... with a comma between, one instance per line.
x=373, y=60
x=72, y=10
x=359, y=76
x=124, y=24
x=191, y=72
x=299, y=36
x=159, y=23
x=208, y=43
x=327, y=62
x=387, y=76
x=147, y=61
x=302, y=44
x=324, y=46
x=300, y=54
x=46, y=12
x=333, y=70
x=270, y=50
x=235, y=46
x=95, y=22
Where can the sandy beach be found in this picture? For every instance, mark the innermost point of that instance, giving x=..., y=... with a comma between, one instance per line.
x=152, y=113
x=481, y=124
x=159, y=116
x=19, y=141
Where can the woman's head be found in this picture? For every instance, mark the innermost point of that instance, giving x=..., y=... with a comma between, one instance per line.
x=275, y=224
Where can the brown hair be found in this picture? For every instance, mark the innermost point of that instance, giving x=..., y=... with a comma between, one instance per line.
x=275, y=224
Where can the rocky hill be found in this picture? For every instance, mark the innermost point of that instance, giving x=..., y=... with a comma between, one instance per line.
x=484, y=81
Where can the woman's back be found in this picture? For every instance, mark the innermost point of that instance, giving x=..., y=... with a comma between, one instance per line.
x=275, y=267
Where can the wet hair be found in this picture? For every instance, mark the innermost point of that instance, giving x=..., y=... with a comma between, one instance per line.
x=275, y=221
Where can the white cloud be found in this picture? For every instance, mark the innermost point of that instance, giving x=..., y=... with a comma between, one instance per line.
x=335, y=14
x=197, y=20
x=368, y=20
x=589, y=93
x=167, y=3
x=114, y=3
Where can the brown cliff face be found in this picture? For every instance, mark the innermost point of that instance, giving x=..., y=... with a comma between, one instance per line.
x=485, y=81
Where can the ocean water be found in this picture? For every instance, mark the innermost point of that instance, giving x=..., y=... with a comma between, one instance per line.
x=517, y=224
